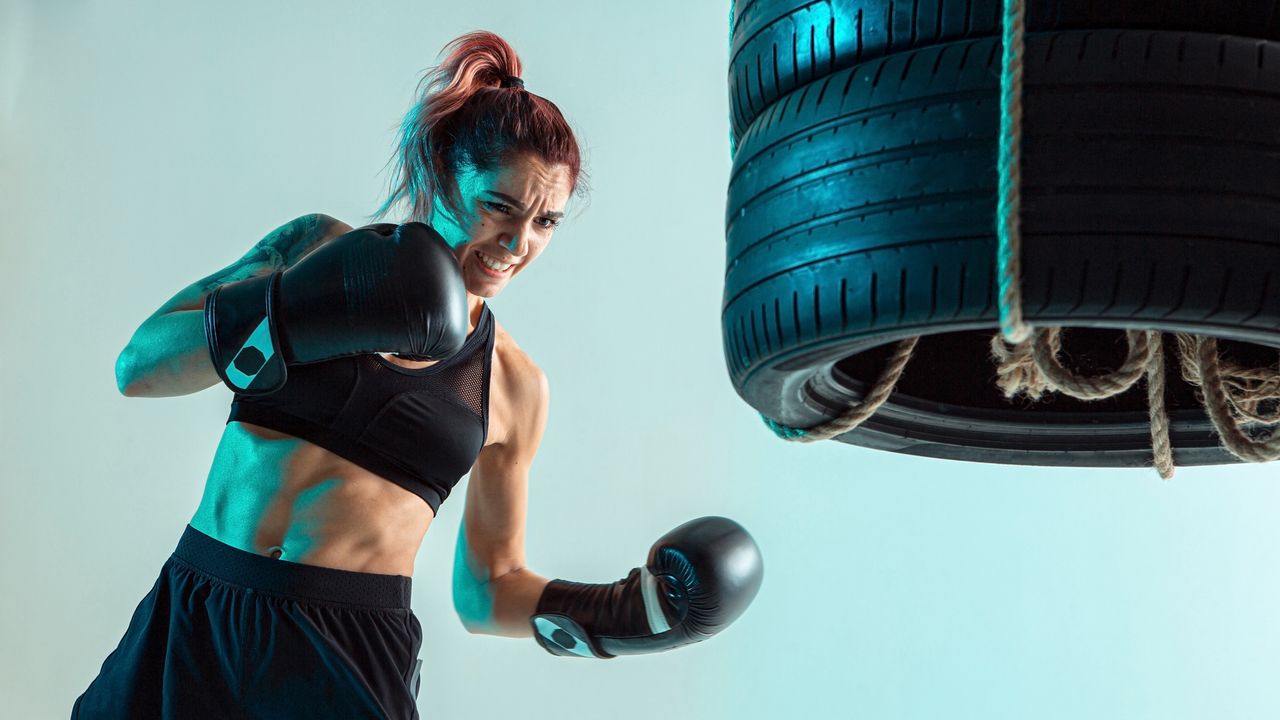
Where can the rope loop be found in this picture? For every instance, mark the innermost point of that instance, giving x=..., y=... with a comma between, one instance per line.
x=786, y=432
x=858, y=412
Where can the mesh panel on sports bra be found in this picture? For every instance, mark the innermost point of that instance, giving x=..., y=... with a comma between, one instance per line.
x=464, y=380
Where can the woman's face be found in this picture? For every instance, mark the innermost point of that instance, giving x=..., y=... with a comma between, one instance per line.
x=507, y=217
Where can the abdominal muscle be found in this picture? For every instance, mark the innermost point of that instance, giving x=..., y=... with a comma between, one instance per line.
x=275, y=495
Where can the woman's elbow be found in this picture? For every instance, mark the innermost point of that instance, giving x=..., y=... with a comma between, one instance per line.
x=474, y=606
x=471, y=626
x=126, y=372
x=135, y=378
x=474, y=623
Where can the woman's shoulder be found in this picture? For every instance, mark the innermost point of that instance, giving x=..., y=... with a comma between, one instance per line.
x=519, y=371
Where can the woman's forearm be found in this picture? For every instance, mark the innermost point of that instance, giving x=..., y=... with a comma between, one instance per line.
x=501, y=606
x=166, y=357
x=487, y=605
x=515, y=598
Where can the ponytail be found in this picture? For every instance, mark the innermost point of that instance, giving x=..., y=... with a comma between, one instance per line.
x=471, y=111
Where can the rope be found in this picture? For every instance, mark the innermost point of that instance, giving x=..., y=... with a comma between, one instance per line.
x=1248, y=389
x=858, y=412
x=1009, y=200
x=1027, y=358
x=1045, y=354
x=1231, y=394
x=1219, y=404
x=1161, y=447
x=1032, y=367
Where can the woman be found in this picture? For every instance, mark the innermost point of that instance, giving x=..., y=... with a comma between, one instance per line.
x=288, y=594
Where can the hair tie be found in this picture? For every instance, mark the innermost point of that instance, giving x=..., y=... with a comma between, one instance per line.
x=509, y=81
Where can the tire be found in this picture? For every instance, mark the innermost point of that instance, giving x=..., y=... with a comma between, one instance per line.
x=862, y=211
x=778, y=45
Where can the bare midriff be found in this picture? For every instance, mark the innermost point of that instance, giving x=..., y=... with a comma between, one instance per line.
x=275, y=495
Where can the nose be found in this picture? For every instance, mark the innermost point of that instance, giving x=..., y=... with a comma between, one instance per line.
x=516, y=244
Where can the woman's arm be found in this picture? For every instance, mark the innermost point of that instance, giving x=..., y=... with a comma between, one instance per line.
x=493, y=592
x=698, y=578
x=167, y=355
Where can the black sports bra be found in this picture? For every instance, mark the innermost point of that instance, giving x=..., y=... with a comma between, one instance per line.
x=421, y=429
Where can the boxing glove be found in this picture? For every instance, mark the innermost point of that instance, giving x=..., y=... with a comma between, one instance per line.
x=381, y=288
x=698, y=579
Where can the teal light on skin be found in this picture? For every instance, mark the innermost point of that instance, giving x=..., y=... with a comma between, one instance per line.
x=242, y=458
x=509, y=213
x=301, y=536
x=471, y=597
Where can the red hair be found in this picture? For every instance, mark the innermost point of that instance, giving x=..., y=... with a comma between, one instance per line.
x=464, y=117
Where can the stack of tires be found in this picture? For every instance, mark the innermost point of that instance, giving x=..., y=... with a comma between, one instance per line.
x=863, y=198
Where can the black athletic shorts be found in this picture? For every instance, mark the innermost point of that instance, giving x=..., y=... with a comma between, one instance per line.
x=229, y=634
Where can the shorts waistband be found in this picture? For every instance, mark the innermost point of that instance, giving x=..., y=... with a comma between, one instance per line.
x=281, y=577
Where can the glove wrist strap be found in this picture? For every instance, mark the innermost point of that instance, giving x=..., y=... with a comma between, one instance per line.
x=240, y=330
x=585, y=620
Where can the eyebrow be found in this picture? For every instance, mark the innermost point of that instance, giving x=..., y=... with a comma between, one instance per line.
x=554, y=215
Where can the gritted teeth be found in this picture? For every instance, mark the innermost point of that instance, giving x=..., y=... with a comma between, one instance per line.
x=492, y=264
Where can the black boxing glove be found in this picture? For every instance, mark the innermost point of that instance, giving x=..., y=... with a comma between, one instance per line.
x=381, y=288
x=699, y=578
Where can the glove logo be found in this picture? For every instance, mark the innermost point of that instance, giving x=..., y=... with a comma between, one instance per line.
x=562, y=636
x=252, y=357
x=249, y=361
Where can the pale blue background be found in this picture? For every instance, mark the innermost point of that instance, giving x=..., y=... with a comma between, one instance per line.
x=146, y=144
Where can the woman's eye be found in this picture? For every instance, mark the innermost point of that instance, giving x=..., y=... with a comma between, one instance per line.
x=545, y=223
